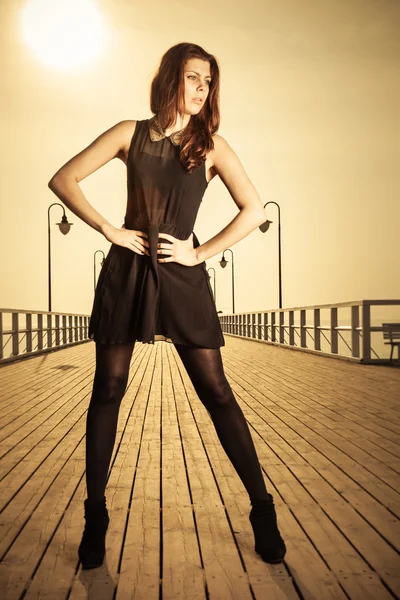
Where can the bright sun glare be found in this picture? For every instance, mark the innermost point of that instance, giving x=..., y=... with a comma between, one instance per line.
x=63, y=33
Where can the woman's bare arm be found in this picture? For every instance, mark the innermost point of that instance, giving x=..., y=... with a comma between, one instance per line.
x=251, y=210
x=111, y=144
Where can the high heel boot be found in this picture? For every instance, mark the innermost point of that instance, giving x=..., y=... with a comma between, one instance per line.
x=92, y=547
x=268, y=540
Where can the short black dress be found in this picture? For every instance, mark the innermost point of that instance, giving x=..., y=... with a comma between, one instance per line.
x=138, y=298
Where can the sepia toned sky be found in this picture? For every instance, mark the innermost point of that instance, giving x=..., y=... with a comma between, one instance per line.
x=310, y=102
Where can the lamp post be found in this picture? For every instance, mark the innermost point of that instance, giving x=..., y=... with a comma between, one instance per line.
x=223, y=262
x=94, y=265
x=209, y=277
x=64, y=226
x=264, y=227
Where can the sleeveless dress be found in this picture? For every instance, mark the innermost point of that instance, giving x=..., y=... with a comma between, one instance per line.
x=138, y=298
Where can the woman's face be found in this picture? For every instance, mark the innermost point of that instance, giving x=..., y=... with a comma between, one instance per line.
x=197, y=84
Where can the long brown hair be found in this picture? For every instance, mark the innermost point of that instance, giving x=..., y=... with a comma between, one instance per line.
x=167, y=95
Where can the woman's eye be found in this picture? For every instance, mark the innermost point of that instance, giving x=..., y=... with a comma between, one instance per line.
x=194, y=77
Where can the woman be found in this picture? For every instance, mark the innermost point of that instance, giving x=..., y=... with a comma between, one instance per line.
x=154, y=280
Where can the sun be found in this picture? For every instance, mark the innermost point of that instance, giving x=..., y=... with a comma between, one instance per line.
x=63, y=34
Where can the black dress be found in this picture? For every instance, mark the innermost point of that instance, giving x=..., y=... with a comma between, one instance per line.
x=138, y=298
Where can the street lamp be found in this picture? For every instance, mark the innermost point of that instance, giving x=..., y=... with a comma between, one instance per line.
x=264, y=227
x=64, y=226
x=94, y=265
x=223, y=262
x=215, y=289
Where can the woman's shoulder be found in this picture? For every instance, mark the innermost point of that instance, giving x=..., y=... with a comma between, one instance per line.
x=126, y=130
x=222, y=156
x=219, y=140
x=221, y=146
x=212, y=156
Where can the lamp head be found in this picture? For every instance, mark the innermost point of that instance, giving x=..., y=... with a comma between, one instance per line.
x=64, y=226
x=223, y=262
x=265, y=226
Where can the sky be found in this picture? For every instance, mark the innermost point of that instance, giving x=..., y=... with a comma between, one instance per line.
x=310, y=103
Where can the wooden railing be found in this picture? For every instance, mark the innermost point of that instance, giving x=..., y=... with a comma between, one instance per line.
x=308, y=334
x=26, y=333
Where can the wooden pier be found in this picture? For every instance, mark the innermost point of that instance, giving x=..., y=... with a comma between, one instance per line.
x=327, y=433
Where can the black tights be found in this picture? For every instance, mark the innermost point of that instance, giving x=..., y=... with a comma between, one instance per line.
x=205, y=369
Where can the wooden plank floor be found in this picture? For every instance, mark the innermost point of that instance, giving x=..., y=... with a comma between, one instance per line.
x=327, y=436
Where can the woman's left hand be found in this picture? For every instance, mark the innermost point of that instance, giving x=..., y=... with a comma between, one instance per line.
x=180, y=251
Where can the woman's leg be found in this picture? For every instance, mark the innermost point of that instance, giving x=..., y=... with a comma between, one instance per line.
x=110, y=380
x=111, y=377
x=205, y=369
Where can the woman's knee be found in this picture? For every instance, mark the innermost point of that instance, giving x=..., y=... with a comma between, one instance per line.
x=218, y=394
x=109, y=389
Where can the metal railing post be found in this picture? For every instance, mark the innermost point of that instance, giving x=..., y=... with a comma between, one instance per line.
x=334, y=331
x=355, y=336
x=366, y=332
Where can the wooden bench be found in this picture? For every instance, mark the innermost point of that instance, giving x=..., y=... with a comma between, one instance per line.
x=391, y=332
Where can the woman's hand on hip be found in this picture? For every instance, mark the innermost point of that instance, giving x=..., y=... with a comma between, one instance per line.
x=175, y=250
x=134, y=240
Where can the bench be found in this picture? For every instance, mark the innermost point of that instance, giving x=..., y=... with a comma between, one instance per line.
x=391, y=332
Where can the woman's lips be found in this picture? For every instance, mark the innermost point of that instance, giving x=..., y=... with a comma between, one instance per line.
x=197, y=101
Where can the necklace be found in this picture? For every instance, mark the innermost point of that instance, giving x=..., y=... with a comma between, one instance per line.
x=157, y=133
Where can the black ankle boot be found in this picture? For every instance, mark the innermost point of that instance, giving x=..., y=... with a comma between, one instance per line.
x=268, y=541
x=93, y=547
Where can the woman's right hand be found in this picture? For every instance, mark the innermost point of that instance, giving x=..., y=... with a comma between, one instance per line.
x=135, y=240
